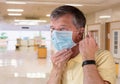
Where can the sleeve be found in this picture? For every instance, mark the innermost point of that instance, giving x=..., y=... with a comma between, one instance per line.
x=106, y=66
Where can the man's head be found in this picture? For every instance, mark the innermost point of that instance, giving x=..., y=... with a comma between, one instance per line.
x=79, y=19
x=69, y=18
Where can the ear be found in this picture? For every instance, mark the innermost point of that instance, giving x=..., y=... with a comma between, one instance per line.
x=80, y=33
x=81, y=30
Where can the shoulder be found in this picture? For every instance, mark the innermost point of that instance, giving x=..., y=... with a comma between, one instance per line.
x=103, y=54
x=103, y=57
x=106, y=65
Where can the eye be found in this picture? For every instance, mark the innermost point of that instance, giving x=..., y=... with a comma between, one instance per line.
x=63, y=29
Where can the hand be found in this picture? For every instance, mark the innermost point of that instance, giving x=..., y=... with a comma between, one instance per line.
x=61, y=58
x=88, y=47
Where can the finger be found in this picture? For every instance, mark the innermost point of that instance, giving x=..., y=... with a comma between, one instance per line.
x=61, y=56
x=58, y=54
x=80, y=44
x=81, y=47
x=86, y=42
x=65, y=58
x=87, y=35
x=92, y=41
x=90, y=34
x=67, y=54
x=97, y=46
x=54, y=58
x=61, y=52
x=83, y=43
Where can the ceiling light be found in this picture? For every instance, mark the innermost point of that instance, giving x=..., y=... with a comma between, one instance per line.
x=16, y=75
x=48, y=15
x=14, y=14
x=15, y=10
x=30, y=20
x=15, y=2
x=26, y=23
x=74, y=4
x=105, y=16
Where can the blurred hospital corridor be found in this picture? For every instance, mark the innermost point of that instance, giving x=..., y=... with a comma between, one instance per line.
x=26, y=37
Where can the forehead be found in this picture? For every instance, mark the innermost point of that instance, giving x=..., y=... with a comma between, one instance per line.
x=65, y=19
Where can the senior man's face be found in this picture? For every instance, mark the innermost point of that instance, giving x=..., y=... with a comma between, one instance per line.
x=65, y=23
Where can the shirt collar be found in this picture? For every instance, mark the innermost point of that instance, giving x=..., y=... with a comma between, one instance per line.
x=78, y=59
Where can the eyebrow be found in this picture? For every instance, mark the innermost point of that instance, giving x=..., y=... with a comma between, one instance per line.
x=60, y=25
x=63, y=25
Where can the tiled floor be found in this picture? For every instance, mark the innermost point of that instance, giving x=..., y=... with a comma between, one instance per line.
x=24, y=67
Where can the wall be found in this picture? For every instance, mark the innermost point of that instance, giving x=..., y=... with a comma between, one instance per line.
x=115, y=40
x=114, y=12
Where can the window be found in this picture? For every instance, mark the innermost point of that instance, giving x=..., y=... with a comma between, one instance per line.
x=115, y=42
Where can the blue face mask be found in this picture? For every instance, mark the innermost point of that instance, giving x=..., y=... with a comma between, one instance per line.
x=62, y=39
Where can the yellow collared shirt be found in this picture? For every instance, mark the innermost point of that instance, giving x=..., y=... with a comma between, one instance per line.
x=104, y=62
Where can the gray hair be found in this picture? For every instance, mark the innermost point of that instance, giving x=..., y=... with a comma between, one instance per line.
x=79, y=19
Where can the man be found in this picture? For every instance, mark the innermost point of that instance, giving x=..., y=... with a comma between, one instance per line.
x=78, y=60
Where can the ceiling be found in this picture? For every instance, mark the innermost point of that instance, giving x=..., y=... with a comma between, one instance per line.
x=37, y=9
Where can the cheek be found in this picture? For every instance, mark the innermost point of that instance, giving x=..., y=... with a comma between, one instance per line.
x=76, y=38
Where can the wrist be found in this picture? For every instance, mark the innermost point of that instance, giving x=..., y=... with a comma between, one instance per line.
x=88, y=62
x=58, y=70
x=88, y=58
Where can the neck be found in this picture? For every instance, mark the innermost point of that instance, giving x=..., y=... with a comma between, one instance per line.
x=75, y=51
